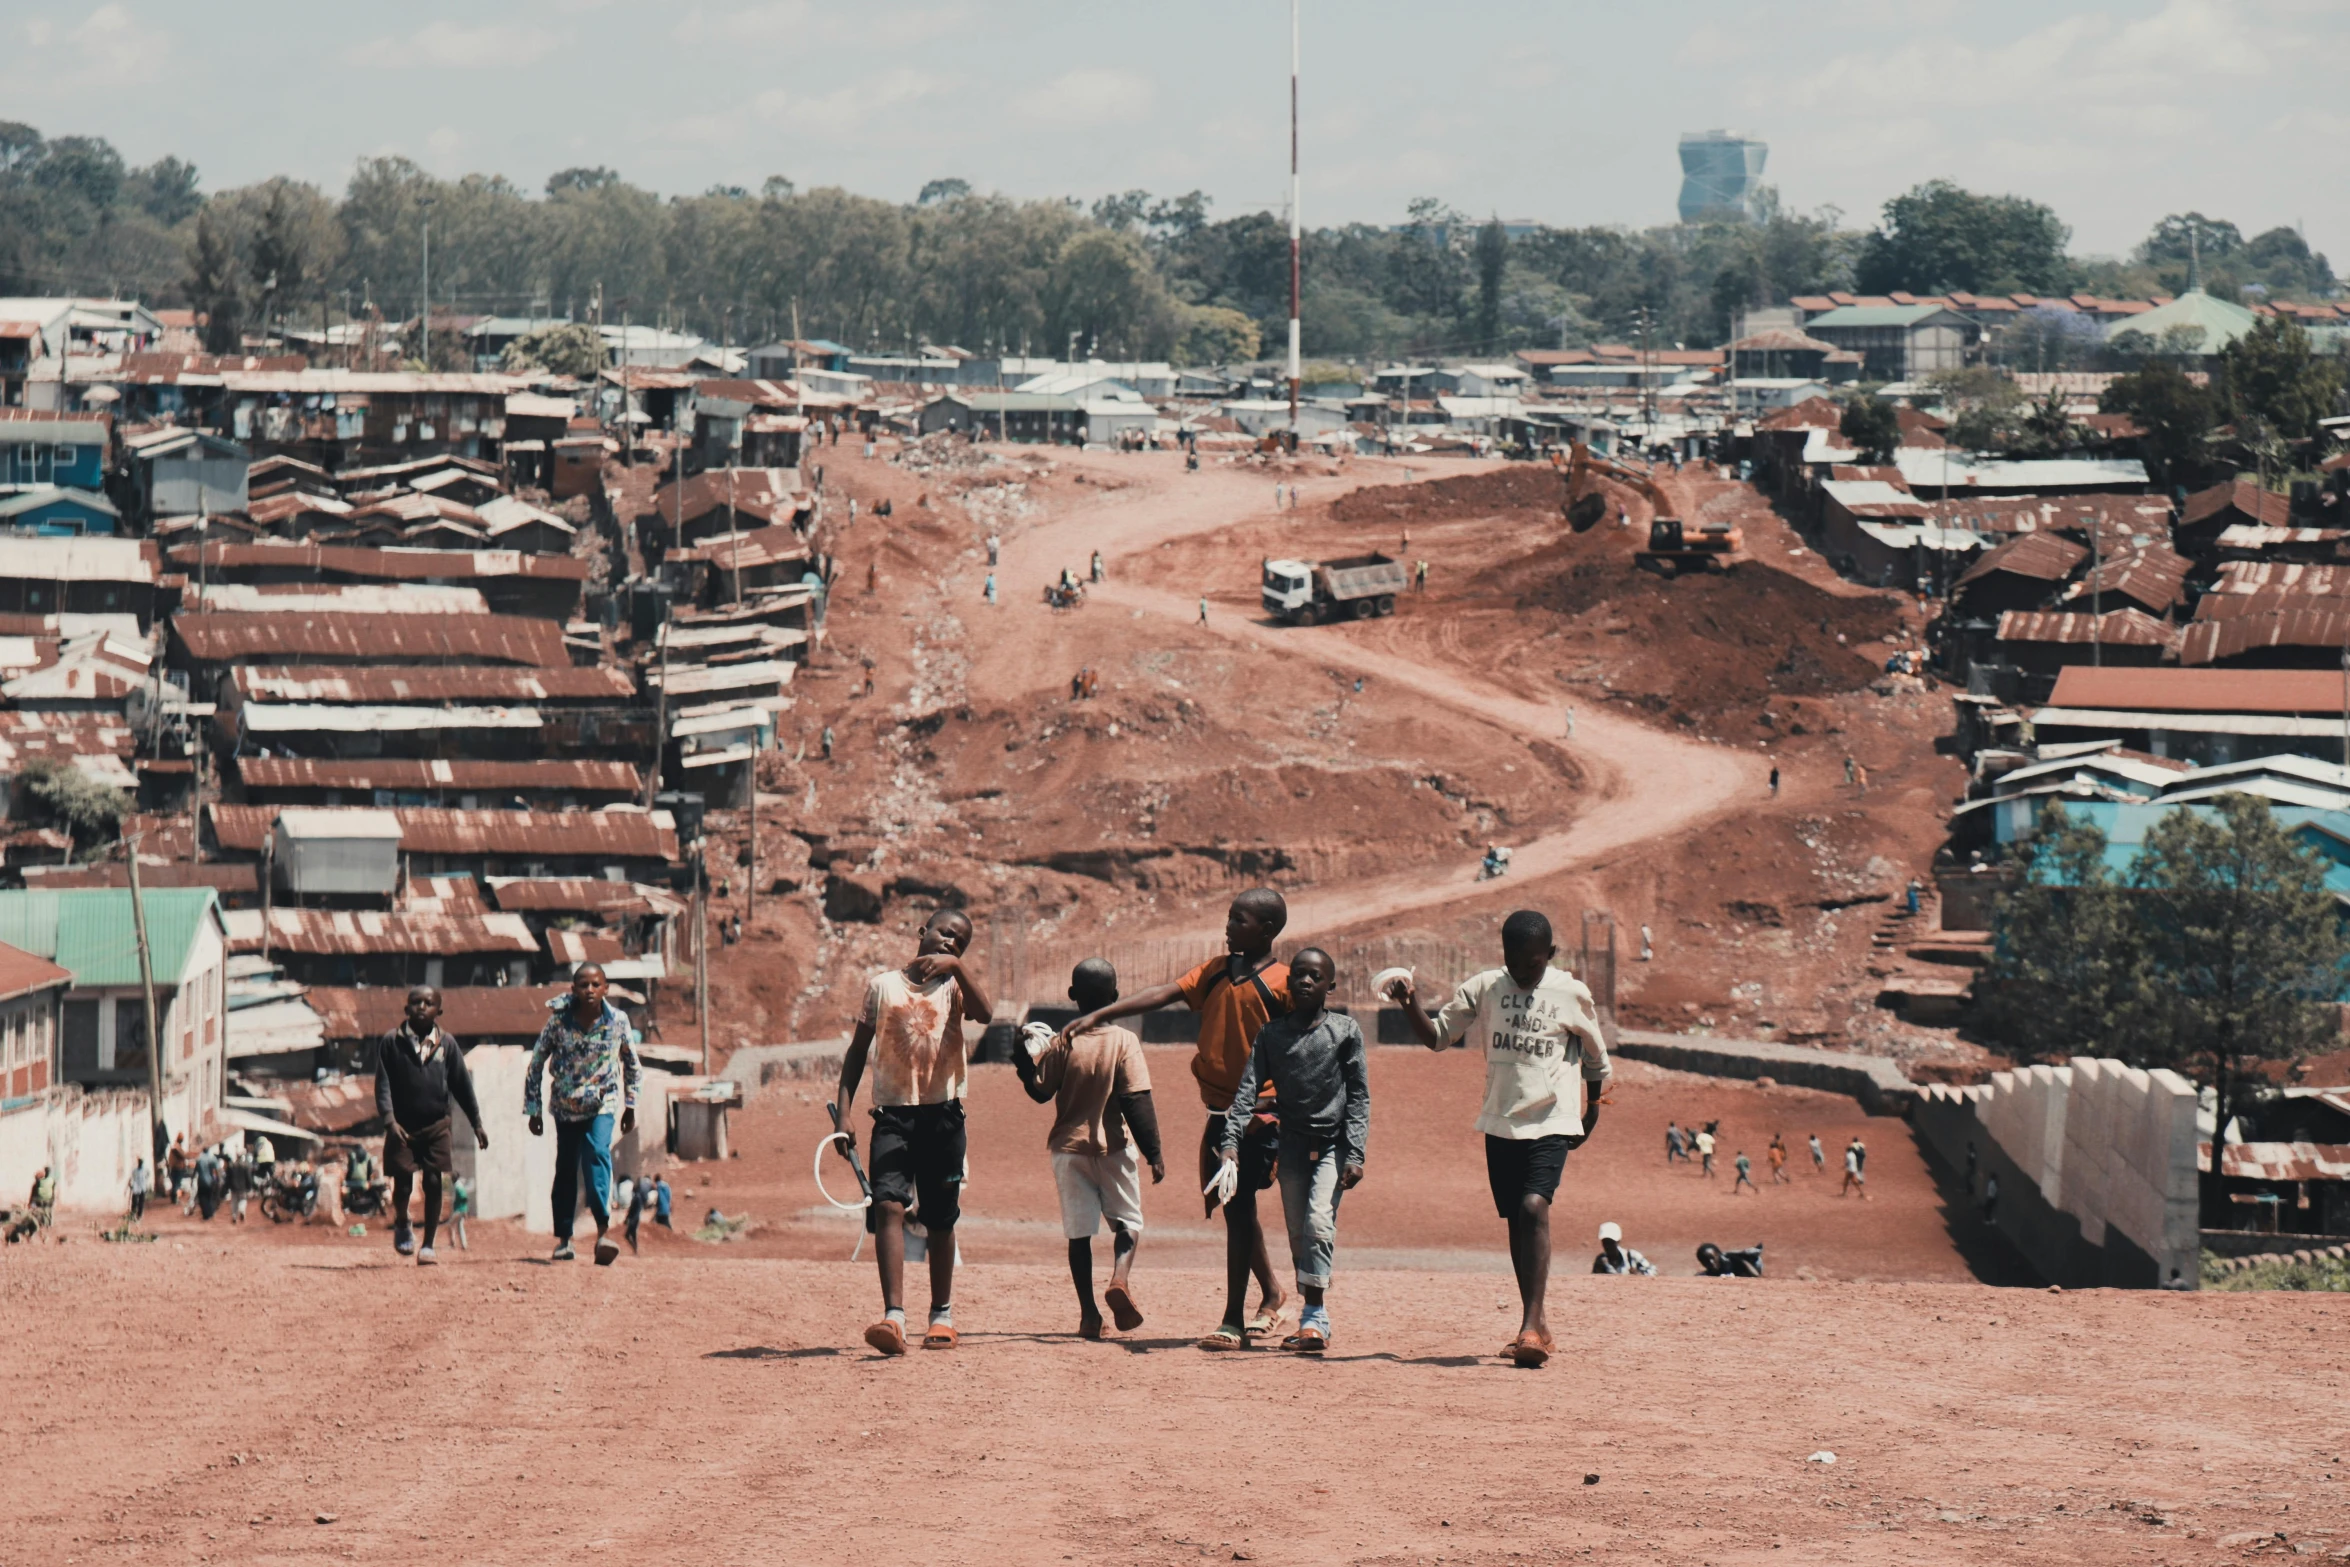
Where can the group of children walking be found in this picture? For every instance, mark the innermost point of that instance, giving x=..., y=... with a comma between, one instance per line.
x=1285, y=1083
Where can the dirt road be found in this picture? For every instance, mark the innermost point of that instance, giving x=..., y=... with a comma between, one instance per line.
x=1647, y=784
x=290, y=1405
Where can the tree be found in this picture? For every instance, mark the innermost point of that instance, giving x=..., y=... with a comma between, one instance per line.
x=572, y=348
x=214, y=288
x=1216, y=335
x=935, y=191
x=2067, y=976
x=165, y=190
x=2245, y=940
x=1493, y=252
x=2273, y=373
x=1873, y=428
x=597, y=178
x=1986, y=407
x=1938, y=237
x=2176, y=415
x=89, y=811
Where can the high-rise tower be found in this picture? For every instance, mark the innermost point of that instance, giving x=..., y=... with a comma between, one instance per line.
x=1719, y=173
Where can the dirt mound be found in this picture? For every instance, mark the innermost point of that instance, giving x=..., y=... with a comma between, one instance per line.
x=1710, y=644
x=1520, y=487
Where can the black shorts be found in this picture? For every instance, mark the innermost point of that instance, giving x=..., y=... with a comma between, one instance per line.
x=1521, y=1167
x=1260, y=1150
x=917, y=1153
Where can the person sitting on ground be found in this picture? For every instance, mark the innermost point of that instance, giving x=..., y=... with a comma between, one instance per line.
x=1100, y=1088
x=1546, y=1068
x=1235, y=996
x=589, y=1059
x=1616, y=1257
x=1314, y=1058
x=1716, y=1263
x=911, y=1028
x=419, y=1077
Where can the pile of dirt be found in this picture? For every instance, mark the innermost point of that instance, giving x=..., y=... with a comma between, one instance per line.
x=1708, y=645
x=1519, y=487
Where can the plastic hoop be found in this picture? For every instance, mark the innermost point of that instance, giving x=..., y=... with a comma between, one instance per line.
x=823, y=1143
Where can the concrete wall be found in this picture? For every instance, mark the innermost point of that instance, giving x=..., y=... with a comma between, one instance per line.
x=90, y=1139
x=2096, y=1166
x=514, y=1178
x=1873, y=1080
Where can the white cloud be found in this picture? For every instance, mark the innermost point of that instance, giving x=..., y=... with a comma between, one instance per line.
x=1087, y=95
x=452, y=46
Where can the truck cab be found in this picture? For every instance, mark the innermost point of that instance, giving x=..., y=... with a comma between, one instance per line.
x=1288, y=587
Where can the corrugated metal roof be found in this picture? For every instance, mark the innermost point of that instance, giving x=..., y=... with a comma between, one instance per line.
x=78, y=559
x=583, y=946
x=426, y=683
x=289, y=638
x=2117, y=628
x=441, y=830
x=288, y=772
x=2279, y=1161
x=2262, y=536
x=92, y=933
x=581, y=895
x=363, y=931
x=2155, y=577
x=395, y=564
x=2045, y=557
x=297, y=718
x=2278, y=691
x=750, y=551
x=472, y=1013
x=2264, y=506
x=22, y=973
x=2274, y=576
x=2211, y=641
x=353, y=598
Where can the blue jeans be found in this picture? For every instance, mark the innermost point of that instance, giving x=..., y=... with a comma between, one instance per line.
x=1309, y=1201
x=583, y=1143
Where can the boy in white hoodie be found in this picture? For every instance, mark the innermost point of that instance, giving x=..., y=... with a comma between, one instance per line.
x=1542, y=1045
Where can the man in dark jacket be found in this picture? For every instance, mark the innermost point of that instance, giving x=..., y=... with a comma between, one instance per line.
x=419, y=1074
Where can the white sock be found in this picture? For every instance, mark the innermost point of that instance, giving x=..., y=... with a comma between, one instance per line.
x=942, y=1316
x=896, y=1314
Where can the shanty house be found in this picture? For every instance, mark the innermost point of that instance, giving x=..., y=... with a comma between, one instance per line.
x=79, y=576
x=40, y=453
x=103, y=1028
x=58, y=513
x=2023, y=573
x=32, y=991
x=175, y=472
x=2040, y=643
x=624, y=845
x=2210, y=513
x=374, y=948
x=466, y=784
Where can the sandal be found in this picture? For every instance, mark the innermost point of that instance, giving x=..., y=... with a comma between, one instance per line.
x=940, y=1336
x=1226, y=1336
x=1531, y=1350
x=1268, y=1319
x=1307, y=1340
x=887, y=1337
x=1122, y=1308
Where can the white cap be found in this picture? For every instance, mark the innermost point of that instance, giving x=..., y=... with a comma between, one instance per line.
x=1611, y=1231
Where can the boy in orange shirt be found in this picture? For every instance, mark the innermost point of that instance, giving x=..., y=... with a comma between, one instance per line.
x=1234, y=995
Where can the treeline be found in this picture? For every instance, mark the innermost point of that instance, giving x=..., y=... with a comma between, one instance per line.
x=1133, y=276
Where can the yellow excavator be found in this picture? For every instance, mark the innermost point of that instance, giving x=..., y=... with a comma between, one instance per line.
x=1674, y=546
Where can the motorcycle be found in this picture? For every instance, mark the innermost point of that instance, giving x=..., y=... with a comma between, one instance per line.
x=1495, y=863
x=362, y=1200
x=290, y=1197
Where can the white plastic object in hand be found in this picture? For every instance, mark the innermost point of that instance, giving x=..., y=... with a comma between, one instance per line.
x=1036, y=1036
x=1225, y=1185
x=1386, y=977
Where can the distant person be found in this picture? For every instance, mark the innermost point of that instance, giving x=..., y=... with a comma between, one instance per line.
x=460, y=1209
x=1673, y=1148
x=1716, y=1263
x=264, y=1161
x=140, y=1182
x=240, y=1187
x=1235, y=995
x=1546, y=1070
x=1616, y=1257
x=824, y=741
x=1745, y=1168
x=1860, y=779
x=661, y=1201
x=1774, y=783
x=1910, y=897
x=211, y=1183
x=1097, y=565
x=1705, y=1152
x=43, y=1199
x=994, y=550
x=180, y=1167
x=1777, y=1155
x=1819, y=1157
x=589, y=1059
x=1105, y=1128
x=1991, y=1198
x=640, y=1192
x=1316, y=1061
x=1647, y=946
x=1967, y=1181
x=420, y=1082
x=911, y=1029
x=989, y=591
x=1850, y=767
x=1203, y=609
x=1854, y=1179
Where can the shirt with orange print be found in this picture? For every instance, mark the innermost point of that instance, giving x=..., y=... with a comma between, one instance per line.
x=1229, y=1016
x=917, y=1039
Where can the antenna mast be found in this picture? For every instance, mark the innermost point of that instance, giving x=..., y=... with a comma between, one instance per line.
x=1294, y=229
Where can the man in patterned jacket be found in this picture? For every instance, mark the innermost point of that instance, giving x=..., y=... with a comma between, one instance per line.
x=591, y=1067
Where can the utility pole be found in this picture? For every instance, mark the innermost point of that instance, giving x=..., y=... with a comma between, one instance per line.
x=1295, y=229
x=751, y=888
x=2096, y=596
x=702, y=946
x=155, y=1130
x=424, y=296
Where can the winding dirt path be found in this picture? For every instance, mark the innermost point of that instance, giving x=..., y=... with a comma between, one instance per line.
x=1645, y=784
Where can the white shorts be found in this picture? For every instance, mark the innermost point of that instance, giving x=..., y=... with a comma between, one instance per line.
x=1095, y=1187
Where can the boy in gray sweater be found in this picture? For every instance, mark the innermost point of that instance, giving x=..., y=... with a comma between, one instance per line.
x=1315, y=1061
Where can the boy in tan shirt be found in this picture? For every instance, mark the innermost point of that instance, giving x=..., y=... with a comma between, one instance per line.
x=1101, y=1093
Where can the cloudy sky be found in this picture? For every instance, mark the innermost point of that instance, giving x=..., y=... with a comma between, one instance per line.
x=1565, y=112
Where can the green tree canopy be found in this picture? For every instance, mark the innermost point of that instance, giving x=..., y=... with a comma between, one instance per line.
x=2176, y=414
x=1873, y=428
x=1938, y=237
x=2273, y=373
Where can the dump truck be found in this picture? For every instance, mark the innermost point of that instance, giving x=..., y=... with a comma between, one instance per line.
x=1353, y=587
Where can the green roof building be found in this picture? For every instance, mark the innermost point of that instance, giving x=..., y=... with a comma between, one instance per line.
x=2205, y=324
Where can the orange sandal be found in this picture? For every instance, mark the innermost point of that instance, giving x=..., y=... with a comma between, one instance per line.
x=887, y=1337
x=940, y=1336
x=1531, y=1350
x=1123, y=1311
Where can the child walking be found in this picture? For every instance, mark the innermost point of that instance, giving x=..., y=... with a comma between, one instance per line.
x=1546, y=1067
x=1314, y=1058
x=1104, y=1130
x=1235, y=996
x=911, y=1027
